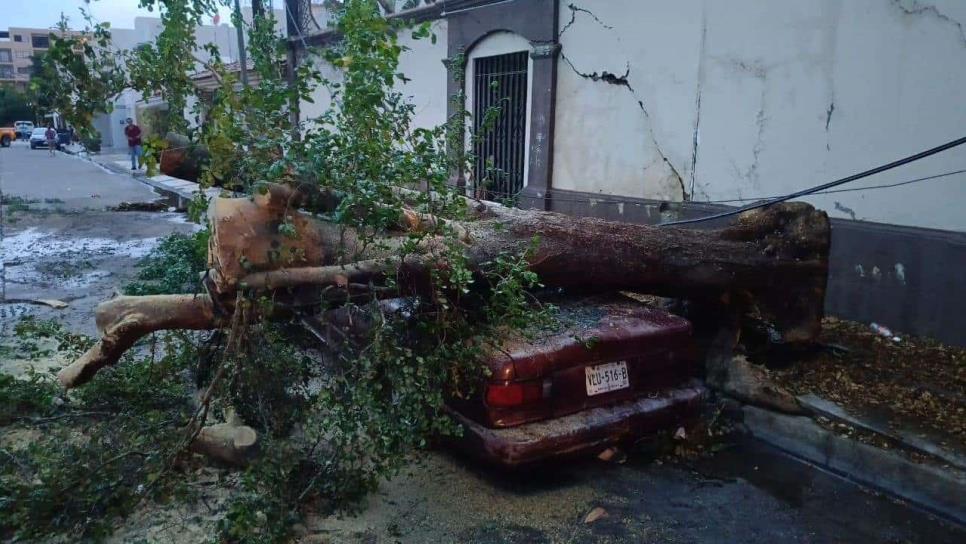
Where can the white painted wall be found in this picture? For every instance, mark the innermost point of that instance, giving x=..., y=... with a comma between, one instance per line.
x=614, y=138
x=422, y=64
x=767, y=75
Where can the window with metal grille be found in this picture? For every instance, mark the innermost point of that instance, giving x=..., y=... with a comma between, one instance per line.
x=500, y=82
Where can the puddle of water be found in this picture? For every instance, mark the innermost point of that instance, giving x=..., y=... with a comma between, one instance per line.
x=38, y=244
x=765, y=468
x=34, y=256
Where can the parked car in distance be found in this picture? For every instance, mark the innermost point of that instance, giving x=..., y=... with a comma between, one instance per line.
x=614, y=371
x=24, y=129
x=38, y=138
x=7, y=135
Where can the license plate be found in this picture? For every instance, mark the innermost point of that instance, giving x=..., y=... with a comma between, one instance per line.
x=606, y=377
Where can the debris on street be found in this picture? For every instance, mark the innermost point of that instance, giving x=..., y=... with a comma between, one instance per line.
x=918, y=383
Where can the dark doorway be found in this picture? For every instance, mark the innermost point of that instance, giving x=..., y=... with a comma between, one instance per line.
x=500, y=82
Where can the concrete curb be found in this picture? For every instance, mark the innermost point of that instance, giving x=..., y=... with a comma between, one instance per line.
x=821, y=407
x=177, y=191
x=939, y=490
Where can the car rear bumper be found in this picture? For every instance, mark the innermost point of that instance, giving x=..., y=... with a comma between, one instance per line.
x=584, y=431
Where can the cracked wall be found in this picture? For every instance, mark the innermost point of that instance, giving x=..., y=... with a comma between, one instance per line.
x=618, y=99
x=746, y=99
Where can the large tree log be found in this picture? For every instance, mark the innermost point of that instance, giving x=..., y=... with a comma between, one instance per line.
x=773, y=261
x=183, y=158
x=122, y=321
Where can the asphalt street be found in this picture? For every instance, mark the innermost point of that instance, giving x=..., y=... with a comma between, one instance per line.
x=59, y=241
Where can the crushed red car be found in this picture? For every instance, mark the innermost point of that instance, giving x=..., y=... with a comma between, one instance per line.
x=614, y=371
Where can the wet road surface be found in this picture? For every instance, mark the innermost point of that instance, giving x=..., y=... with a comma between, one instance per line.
x=749, y=493
x=60, y=242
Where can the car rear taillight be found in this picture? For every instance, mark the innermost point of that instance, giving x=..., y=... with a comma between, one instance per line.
x=502, y=395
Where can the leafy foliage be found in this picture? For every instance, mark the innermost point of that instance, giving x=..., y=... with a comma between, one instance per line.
x=174, y=266
x=14, y=106
x=248, y=129
x=78, y=76
x=22, y=398
x=74, y=483
x=165, y=66
x=334, y=421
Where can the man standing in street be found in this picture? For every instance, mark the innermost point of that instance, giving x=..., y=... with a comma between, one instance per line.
x=133, y=133
x=51, y=136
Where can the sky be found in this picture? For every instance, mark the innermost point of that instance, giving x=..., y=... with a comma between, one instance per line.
x=46, y=13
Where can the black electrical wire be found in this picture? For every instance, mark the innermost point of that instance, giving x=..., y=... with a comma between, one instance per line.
x=617, y=200
x=849, y=190
x=829, y=185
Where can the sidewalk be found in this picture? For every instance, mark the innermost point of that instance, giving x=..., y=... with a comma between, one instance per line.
x=884, y=411
x=117, y=160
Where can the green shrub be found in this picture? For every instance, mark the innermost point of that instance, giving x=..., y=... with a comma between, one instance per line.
x=174, y=266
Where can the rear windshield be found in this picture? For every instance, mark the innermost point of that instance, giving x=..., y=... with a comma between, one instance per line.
x=39, y=131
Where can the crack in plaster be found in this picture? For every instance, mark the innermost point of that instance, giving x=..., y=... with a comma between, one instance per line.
x=828, y=121
x=574, y=9
x=699, y=84
x=761, y=121
x=760, y=72
x=920, y=9
x=622, y=81
x=605, y=76
x=845, y=209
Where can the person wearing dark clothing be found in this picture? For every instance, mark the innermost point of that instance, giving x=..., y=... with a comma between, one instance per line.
x=133, y=133
x=51, y=136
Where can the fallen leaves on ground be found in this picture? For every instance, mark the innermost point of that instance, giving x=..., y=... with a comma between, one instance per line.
x=916, y=381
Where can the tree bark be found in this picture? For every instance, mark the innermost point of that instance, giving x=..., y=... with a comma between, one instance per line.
x=122, y=321
x=772, y=262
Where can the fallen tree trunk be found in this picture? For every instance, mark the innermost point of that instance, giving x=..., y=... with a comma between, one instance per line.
x=122, y=321
x=771, y=261
x=182, y=158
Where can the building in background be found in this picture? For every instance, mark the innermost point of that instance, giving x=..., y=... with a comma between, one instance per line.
x=18, y=46
x=131, y=103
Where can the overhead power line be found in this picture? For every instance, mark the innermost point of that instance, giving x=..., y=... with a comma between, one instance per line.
x=824, y=186
x=563, y=196
x=849, y=190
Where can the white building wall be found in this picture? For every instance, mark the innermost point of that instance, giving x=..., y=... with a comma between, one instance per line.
x=778, y=96
x=422, y=64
